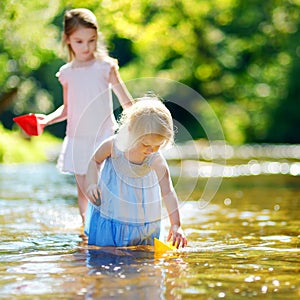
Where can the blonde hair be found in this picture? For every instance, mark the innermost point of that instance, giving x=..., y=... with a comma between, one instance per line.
x=82, y=17
x=148, y=115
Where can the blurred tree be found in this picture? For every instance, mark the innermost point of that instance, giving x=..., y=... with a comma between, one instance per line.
x=29, y=40
x=241, y=56
x=285, y=121
x=258, y=41
x=237, y=54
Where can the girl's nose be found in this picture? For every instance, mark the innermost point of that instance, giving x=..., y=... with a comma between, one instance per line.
x=86, y=46
x=149, y=149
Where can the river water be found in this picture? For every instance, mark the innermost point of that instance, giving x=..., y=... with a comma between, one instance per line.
x=244, y=243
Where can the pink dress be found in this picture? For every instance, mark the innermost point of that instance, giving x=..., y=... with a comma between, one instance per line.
x=90, y=112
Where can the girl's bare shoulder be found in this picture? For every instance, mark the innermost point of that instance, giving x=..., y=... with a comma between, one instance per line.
x=158, y=161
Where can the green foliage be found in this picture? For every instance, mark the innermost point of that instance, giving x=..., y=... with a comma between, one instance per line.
x=15, y=147
x=28, y=41
x=239, y=55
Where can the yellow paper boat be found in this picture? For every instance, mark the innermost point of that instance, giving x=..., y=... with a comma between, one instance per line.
x=160, y=247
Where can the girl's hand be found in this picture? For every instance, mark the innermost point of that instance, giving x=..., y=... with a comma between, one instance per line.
x=40, y=116
x=177, y=235
x=42, y=119
x=94, y=194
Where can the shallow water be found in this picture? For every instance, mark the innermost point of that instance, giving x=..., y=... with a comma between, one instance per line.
x=244, y=244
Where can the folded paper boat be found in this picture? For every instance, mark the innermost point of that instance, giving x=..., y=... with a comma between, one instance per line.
x=159, y=246
x=30, y=124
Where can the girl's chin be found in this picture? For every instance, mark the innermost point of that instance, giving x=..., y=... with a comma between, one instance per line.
x=86, y=58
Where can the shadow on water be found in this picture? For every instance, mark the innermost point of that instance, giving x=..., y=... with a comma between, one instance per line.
x=244, y=244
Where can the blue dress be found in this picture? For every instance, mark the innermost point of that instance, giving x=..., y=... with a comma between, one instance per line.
x=130, y=209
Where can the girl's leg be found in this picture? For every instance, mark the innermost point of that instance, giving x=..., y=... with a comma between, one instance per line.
x=82, y=199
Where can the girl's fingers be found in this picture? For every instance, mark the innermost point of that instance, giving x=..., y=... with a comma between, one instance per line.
x=183, y=242
x=96, y=197
x=40, y=116
x=93, y=193
x=179, y=239
x=98, y=200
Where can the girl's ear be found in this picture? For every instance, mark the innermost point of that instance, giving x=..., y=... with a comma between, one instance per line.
x=65, y=39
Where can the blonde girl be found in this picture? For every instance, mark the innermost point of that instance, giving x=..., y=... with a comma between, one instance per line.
x=87, y=80
x=126, y=195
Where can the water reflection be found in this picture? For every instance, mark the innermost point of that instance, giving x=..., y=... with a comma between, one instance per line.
x=209, y=151
x=200, y=159
x=195, y=169
x=244, y=244
x=135, y=269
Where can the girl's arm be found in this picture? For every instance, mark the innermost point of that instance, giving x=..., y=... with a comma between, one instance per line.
x=59, y=114
x=171, y=201
x=91, y=179
x=119, y=87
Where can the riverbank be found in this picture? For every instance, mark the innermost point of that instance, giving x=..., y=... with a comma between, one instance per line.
x=16, y=147
x=230, y=160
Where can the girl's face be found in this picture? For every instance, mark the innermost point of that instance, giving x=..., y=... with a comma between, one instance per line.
x=83, y=42
x=149, y=144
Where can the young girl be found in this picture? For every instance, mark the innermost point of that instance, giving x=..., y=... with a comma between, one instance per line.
x=125, y=202
x=86, y=80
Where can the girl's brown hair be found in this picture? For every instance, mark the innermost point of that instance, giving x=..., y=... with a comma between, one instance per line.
x=82, y=17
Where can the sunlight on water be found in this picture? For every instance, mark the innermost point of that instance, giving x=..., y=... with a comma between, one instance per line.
x=245, y=244
x=208, y=151
x=206, y=170
x=203, y=160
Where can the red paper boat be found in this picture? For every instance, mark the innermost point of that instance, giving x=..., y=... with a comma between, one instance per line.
x=30, y=124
